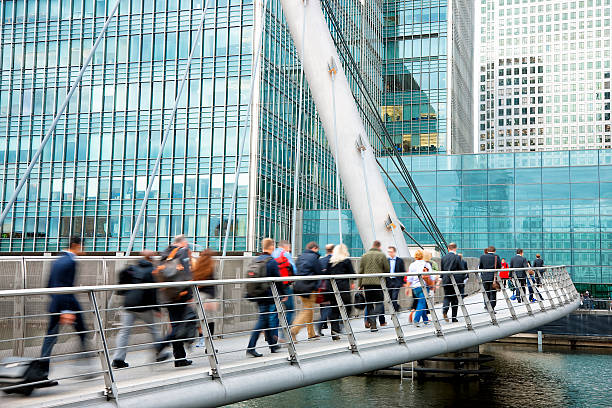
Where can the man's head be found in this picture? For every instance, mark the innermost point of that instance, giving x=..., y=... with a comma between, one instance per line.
x=491, y=249
x=538, y=256
x=285, y=245
x=391, y=251
x=519, y=251
x=376, y=244
x=76, y=245
x=180, y=241
x=267, y=245
x=313, y=246
x=486, y=250
x=329, y=249
x=452, y=247
x=148, y=255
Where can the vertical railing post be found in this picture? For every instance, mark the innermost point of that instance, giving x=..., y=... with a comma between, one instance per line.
x=345, y=319
x=208, y=338
x=487, y=302
x=430, y=306
x=293, y=357
x=507, y=298
x=19, y=322
x=466, y=315
x=109, y=377
x=545, y=287
x=387, y=299
x=523, y=295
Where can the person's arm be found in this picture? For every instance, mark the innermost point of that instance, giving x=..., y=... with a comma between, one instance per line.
x=480, y=266
x=386, y=266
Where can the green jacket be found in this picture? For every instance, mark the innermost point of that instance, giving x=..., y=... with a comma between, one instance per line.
x=373, y=261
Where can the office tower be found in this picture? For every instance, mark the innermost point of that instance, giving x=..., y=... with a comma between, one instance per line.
x=544, y=75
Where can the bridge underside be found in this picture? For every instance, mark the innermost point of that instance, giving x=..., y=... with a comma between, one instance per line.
x=162, y=386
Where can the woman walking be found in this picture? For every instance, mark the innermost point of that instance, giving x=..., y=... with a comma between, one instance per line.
x=340, y=265
x=419, y=266
x=204, y=269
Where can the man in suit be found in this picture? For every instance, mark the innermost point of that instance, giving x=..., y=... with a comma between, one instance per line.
x=451, y=262
x=538, y=263
x=63, y=307
x=490, y=260
x=465, y=277
x=519, y=261
x=396, y=265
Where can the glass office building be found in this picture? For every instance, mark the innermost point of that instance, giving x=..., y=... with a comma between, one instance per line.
x=544, y=75
x=427, y=103
x=93, y=174
x=557, y=204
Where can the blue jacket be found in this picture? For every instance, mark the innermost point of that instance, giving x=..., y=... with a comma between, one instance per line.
x=308, y=265
x=63, y=273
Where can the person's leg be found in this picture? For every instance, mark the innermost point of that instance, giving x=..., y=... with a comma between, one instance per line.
x=271, y=333
x=334, y=316
x=446, y=305
x=418, y=300
x=380, y=305
x=289, y=306
x=127, y=320
x=300, y=319
x=261, y=324
x=310, y=303
x=51, y=337
x=394, y=294
x=454, y=301
x=176, y=313
x=370, y=301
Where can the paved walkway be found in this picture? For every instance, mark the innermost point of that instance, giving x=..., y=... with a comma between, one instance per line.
x=143, y=373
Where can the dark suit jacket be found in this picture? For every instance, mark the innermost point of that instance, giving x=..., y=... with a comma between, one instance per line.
x=63, y=273
x=489, y=261
x=518, y=261
x=399, y=267
x=452, y=262
x=538, y=263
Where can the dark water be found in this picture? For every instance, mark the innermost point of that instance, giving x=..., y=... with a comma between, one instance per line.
x=523, y=378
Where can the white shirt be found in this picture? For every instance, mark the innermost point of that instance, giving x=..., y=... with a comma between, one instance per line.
x=417, y=267
x=392, y=264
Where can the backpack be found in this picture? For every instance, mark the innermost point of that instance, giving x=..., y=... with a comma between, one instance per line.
x=284, y=266
x=172, y=270
x=258, y=268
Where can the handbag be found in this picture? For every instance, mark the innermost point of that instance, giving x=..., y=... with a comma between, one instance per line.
x=360, y=301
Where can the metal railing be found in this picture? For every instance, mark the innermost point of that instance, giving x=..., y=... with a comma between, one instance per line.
x=342, y=303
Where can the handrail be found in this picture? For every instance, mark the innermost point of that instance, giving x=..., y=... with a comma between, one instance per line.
x=106, y=288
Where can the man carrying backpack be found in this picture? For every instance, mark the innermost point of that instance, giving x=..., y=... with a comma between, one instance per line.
x=286, y=267
x=139, y=304
x=264, y=266
x=176, y=267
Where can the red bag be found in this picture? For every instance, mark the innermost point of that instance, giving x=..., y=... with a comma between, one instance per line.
x=284, y=266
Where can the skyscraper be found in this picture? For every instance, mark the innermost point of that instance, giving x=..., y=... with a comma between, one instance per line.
x=427, y=104
x=544, y=75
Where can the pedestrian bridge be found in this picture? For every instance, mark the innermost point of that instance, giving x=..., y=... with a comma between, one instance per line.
x=222, y=374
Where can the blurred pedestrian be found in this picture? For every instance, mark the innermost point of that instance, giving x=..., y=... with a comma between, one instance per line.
x=325, y=289
x=267, y=321
x=416, y=268
x=63, y=307
x=451, y=262
x=204, y=269
x=286, y=267
x=519, y=261
x=490, y=260
x=308, y=265
x=394, y=284
x=373, y=262
x=340, y=264
x=139, y=304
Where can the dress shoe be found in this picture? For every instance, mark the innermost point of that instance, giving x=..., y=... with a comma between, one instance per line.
x=445, y=317
x=275, y=349
x=183, y=362
x=253, y=353
x=455, y=320
x=119, y=364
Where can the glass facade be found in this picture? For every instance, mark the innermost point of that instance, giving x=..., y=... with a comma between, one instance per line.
x=557, y=204
x=544, y=75
x=428, y=75
x=93, y=174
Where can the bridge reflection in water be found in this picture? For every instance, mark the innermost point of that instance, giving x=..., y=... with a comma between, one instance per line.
x=221, y=372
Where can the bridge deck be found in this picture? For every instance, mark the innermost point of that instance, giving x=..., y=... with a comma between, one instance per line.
x=232, y=357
